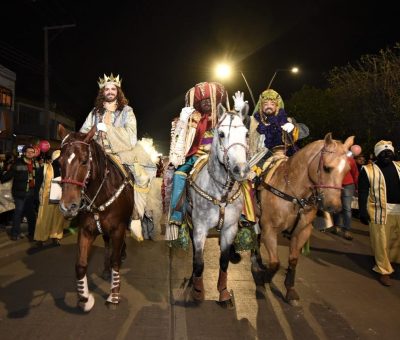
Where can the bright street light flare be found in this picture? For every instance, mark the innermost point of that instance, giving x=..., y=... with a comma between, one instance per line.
x=223, y=71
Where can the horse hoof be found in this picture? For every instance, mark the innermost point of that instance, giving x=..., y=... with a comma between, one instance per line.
x=228, y=304
x=106, y=275
x=88, y=305
x=111, y=305
x=293, y=303
x=226, y=300
x=292, y=297
x=224, y=295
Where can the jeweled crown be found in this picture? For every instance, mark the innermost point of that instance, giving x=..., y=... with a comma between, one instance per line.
x=109, y=80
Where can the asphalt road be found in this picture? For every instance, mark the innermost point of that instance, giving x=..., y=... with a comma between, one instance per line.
x=340, y=296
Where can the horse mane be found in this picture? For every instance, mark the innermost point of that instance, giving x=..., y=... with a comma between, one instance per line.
x=99, y=158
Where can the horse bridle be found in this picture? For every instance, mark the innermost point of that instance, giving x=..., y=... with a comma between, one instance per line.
x=229, y=183
x=86, y=199
x=225, y=199
x=316, y=196
x=86, y=178
x=320, y=168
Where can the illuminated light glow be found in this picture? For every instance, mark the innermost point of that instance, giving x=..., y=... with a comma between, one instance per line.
x=223, y=70
x=295, y=70
x=71, y=158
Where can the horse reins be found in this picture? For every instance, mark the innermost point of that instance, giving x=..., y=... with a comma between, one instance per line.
x=315, y=197
x=91, y=207
x=229, y=184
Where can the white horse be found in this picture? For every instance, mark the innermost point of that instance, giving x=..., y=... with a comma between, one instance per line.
x=215, y=196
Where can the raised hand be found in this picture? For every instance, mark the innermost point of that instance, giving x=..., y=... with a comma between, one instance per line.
x=239, y=101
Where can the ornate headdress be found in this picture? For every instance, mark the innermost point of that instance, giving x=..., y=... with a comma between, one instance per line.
x=269, y=95
x=109, y=80
x=214, y=91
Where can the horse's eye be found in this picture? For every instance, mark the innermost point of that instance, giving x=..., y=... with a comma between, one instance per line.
x=221, y=134
x=327, y=169
x=84, y=162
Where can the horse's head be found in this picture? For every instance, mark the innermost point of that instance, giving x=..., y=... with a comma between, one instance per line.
x=328, y=170
x=231, y=138
x=75, y=161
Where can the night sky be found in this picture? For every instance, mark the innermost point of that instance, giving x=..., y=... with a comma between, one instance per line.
x=161, y=49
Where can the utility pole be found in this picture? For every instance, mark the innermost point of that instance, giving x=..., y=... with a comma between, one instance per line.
x=46, y=29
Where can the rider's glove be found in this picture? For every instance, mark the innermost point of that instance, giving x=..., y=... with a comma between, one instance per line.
x=185, y=113
x=288, y=127
x=101, y=127
x=239, y=101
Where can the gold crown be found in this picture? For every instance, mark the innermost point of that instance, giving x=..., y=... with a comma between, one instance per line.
x=111, y=79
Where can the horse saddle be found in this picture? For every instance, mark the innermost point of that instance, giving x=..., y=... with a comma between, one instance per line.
x=198, y=165
x=123, y=168
x=268, y=168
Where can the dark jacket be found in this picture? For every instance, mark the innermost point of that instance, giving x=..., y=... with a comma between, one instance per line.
x=19, y=172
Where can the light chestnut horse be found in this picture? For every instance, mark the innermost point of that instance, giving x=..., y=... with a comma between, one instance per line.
x=309, y=180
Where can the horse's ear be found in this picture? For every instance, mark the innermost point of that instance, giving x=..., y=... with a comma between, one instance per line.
x=328, y=138
x=220, y=111
x=62, y=131
x=244, y=113
x=349, y=142
x=90, y=134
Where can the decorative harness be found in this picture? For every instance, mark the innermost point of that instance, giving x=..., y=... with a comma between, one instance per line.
x=87, y=202
x=303, y=203
x=228, y=197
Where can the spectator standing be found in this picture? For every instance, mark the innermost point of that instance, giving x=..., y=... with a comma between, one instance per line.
x=342, y=220
x=50, y=222
x=23, y=171
x=379, y=204
x=360, y=161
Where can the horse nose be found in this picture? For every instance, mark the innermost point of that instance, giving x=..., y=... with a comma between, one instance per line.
x=241, y=169
x=74, y=206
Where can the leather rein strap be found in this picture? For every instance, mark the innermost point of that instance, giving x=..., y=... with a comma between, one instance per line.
x=303, y=202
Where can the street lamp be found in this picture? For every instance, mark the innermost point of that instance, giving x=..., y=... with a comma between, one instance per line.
x=293, y=70
x=224, y=71
x=46, y=29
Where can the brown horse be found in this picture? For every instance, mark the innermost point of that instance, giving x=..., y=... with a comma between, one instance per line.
x=101, y=196
x=309, y=180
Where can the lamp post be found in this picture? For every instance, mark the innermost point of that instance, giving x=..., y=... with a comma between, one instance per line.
x=46, y=29
x=224, y=71
x=293, y=70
